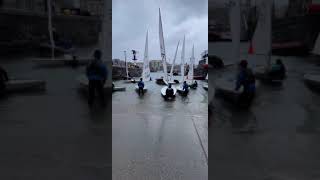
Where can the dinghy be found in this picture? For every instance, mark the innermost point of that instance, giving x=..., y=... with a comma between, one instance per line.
x=164, y=94
x=118, y=89
x=144, y=89
x=180, y=88
x=225, y=87
x=205, y=86
x=146, y=70
x=190, y=78
x=171, y=80
x=17, y=85
x=181, y=91
x=312, y=80
x=260, y=73
x=262, y=43
x=84, y=85
x=163, y=80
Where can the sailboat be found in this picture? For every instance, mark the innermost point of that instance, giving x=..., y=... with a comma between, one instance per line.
x=313, y=79
x=225, y=87
x=205, y=84
x=190, y=81
x=171, y=80
x=180, y=88
x=262, y=42
x=164, y=63
x=146, y=70
x=67, y=59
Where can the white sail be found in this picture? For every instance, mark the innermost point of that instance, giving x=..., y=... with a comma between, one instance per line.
x=316, y=48
x=235, y=29
x=174, y=60
x=208, y=70
x=262, y=38
x=125, y=60
x=49, y=7
x=146, y=69
x=162, y=49
x=190, y=73
x=182, y=60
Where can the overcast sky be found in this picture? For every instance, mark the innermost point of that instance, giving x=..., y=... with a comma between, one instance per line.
x=131, y=19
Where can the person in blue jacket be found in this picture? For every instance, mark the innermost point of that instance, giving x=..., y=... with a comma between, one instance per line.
x=246, y=79
x=97, y=76
x=185, y=86
x=141, y=86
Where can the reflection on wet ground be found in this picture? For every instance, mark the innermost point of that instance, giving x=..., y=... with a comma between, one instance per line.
x=277, y=138
x=53, y=134
x=158, y=139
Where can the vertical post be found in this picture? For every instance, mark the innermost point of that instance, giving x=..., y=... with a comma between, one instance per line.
x=50, y=28
x=125, y=59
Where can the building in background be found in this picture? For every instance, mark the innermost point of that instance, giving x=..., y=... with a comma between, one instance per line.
x=155, y=65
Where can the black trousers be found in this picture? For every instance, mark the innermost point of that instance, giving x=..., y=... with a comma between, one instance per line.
x=141, y=91
x=245, y=99
x=96, y=86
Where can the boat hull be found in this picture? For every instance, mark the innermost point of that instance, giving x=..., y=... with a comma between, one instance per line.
x=182, y=92
x=84, y=85
x=163, y=93
x=312, y=80
x=144, y=89
x=160, y=82
x=24, y=85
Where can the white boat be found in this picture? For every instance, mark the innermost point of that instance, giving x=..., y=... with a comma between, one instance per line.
x=190, y=78
x=226, y=89
x=312, y=80
x=164, y=94
x=164, y=80
x=146, y=70
x=205, y=86
x=172, y=80
x=316, y=48
x=118, y=89
x=84, y=84
x=263, y=33
x=24, y=85
x=181, y=91
x=222, y=86
x=144, y=88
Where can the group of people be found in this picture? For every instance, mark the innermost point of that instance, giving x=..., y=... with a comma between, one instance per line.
x=247, y=80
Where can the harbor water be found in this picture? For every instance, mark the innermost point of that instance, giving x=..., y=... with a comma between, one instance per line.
x=277, y=138
x=157, y=139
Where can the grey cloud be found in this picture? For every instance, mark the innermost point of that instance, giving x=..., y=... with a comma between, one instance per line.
x=131, y=19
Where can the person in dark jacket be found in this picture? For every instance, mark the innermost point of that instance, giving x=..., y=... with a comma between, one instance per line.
x=169, y=91
x=97, y=75
x=246, y=79
x=3, y=79
x=278, y=70
x=185, y=86
x=141, y=86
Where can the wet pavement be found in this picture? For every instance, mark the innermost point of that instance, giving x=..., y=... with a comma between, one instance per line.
x=53, y=134
x=278, y=137
x=156, y=139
